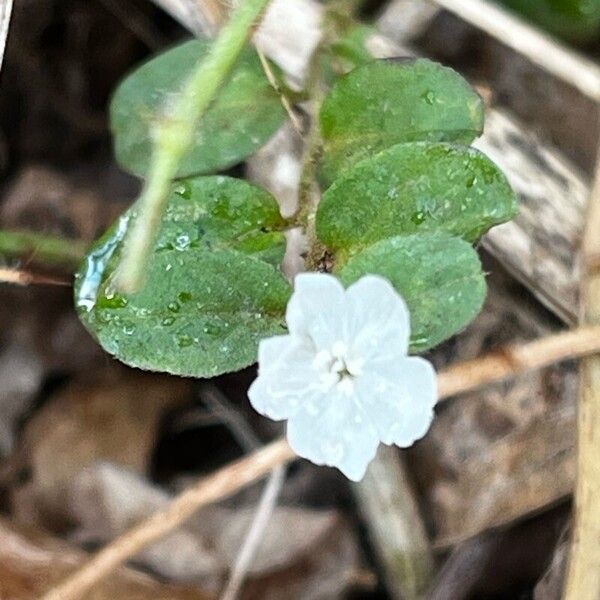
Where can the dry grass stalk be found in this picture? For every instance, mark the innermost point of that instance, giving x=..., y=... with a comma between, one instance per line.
x=25, y=278
x=5, y=12
x=539, y=47
x=583, y=580
x=232, y=478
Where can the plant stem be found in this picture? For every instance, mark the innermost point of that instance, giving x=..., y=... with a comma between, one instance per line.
x=173, y=136
x=26, y=278
x=583, y=578
x=53, y=250
x=390, y=508
x=463, y=377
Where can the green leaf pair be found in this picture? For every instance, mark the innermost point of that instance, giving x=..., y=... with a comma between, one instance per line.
x=406, y=202
x=213, y=290
x=407, y=198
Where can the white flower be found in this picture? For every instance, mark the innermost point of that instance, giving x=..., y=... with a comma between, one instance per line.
x=342, y=377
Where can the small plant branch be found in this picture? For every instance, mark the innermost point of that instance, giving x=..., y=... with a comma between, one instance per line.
x=255, y=535
x=25, y=278
x=51, y=250
x=285, y=101
x=463, y=377
x=583, y=576
x=512, y=360
x=309, y=192
x=174, y=134
x=220, y=405
x=390, y=508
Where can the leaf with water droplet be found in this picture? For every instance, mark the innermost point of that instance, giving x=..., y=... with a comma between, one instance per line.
x=388, y=102
x=245, y=114
x=415, y=187
x=196, y=314
x=438, y=275
x=223, y=212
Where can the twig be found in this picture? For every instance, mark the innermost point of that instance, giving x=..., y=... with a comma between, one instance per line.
x=539, y=47
x=53, y=250
x=173, y=136
x=390, y=508
x=26, y=278
x=200, y=17
x=255, y=535
x=519, y=358
x=583, y=578
x=232, y=478
x=222, y=484
x=287, y=105
x=5, y=12
x=220, y=405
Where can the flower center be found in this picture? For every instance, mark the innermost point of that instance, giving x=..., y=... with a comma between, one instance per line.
x=337, y=369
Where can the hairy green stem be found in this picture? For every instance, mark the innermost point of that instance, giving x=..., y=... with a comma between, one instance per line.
x=174, y=135
x=49, y=249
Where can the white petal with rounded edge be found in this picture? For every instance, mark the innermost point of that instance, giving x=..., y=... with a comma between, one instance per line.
x=376, y=318
x=315, y=308
x=342, y=437
x=399, y=399
x=285, y=381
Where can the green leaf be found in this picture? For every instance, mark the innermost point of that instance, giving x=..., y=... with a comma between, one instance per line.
x=411, y=188
x=246, y=113
x=209, y=299
x=438, y=275
x=388, y=102
x=223, y=212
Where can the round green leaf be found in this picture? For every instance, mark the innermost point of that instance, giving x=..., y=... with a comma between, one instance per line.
x=245, y=114
x=208, y=299
x=388, y=102
x=223, y=212
x=438, y=275
x=411, y=188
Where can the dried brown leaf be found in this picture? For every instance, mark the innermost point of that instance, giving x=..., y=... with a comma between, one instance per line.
x=112, y=415
x=31, y=562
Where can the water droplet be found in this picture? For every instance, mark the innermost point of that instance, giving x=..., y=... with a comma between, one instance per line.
x=95, y=266
x=174, y=307
x=182, y=242
x=428, y=96
x=168, y=321
x=112, y=301
x=183, y=341
x=128, y=329
x=471, y=181
x=184, y=189
x=418, y=217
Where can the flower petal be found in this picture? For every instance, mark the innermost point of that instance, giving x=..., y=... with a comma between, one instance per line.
x=399, y=400
x=376, y=318
x=286, y=378
x=315, y=308
x=342, y=436
x=419, y=384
